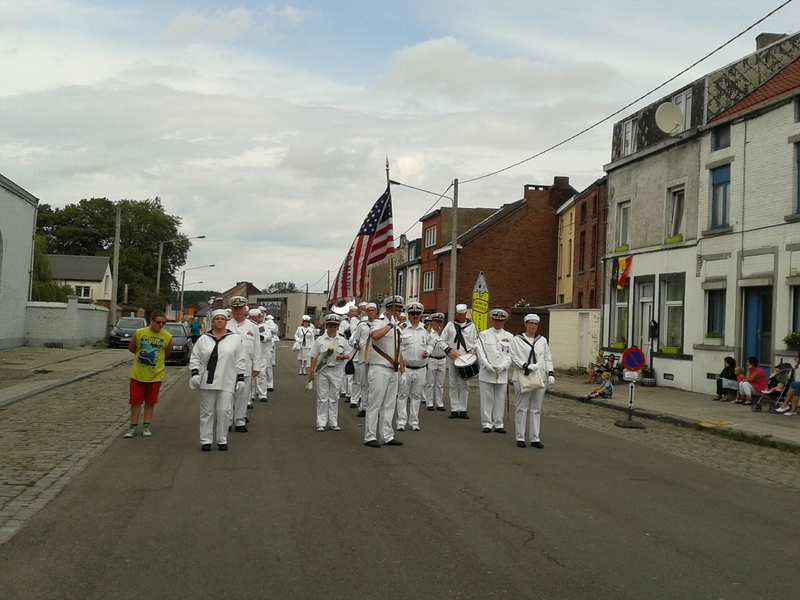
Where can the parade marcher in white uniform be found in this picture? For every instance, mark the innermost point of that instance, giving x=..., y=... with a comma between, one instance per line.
x=415, y=346
x=217, y=364
x=364, y=342
x=494, y=359
x=346, y=328
x=269, y=351
x=276, y=336
x=437, y=362
x=265, y=338
x=530, y=351
x=304, y=335
x=460, y=336
x=248, y=332
x=385, y=366
x=329, y=352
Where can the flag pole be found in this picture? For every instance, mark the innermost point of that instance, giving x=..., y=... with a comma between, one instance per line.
x=391, y=280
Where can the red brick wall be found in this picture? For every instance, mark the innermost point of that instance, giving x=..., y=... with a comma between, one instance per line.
x=589, y=280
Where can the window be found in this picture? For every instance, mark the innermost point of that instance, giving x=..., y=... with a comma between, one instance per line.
x=684, y=102
x=580, y=299
x=675, y=212
x=400, y=284
x=581, y=251
x=591, y=299
x=722, y=137
x=623, y=221
x=619, y=314
x=715, y=324
x=430, y=237
x=427, y=281
x=720, y=186
x=83, y=291
x=583, y=213
x=593, y=247
x=569, y=258
x=629, y=131
x=796, y=309
x=797, y=167
x=671, y=321
x=560, y=258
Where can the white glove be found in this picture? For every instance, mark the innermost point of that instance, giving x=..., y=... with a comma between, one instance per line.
x=403, y=379
x=194, y=382
x=239, y=386
x=551, y=380
x=310, y=385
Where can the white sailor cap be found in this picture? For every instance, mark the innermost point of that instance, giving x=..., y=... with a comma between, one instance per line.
x=415, y=307
x=218, y=312
x=270, y=317
x=394, y=301
x=254, y=312
x=498, y=314
x=362, y=305
x=461, y=308
x=238, y=301
x=262, y=308
x=332, y=319
x=372, y=305
x=437, y=317
x=531, y=317
x=306, y=318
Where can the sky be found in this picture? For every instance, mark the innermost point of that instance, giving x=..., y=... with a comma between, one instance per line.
x=266, y=127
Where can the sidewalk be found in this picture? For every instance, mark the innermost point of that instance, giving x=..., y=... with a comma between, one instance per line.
x=25, y=372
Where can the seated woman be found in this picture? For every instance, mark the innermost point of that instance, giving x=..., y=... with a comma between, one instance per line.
x=595, y=365
x=726, y=380
x=606, y=367
x=604, y=390
x=755, y=382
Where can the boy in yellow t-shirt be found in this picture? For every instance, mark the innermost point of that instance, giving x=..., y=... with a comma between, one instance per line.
x=151, y=345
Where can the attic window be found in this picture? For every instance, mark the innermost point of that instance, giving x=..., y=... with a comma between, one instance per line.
x=722, y=136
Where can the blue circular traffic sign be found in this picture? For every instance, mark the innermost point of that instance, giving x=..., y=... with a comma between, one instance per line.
x=633, y=359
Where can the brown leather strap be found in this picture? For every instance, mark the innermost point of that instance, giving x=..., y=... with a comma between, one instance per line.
x=386, y=356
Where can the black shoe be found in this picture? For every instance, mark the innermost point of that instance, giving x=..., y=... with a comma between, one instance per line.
x=441, y=408
x=373, y=444
x=537, y=444
x=206, y=447
x=521, y=444
x=353, y=405
x=241, y=428
x=453, y=415
x=246, y=420
x=264, y=399
x=362, y=413
x=249, y=406
x=222, y=447
x=430, y=408
x=230, y=427
x=393, y=442
x=463, y=415
x=486, y=430
x=499, y=430
x=270, y=389
x=401, y=428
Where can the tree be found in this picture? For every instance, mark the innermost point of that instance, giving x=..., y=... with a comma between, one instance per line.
x=44, y=288
x=88, y=227
x=282, y=287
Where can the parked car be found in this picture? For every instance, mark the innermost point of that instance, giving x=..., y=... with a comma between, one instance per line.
x=181, y=343
x=124, y=330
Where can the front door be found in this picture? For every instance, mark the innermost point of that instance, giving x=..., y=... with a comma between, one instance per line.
x=758, y=324
x=643, y=317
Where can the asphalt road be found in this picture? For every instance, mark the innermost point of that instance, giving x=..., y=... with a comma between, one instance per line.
x=289, y=512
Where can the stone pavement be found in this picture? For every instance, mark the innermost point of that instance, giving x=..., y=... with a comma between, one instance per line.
x=28, y=371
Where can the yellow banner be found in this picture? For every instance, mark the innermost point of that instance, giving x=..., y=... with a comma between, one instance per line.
x=480, y=303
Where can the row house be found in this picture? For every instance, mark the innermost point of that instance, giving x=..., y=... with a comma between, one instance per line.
x=702, y=244
x=407, y=273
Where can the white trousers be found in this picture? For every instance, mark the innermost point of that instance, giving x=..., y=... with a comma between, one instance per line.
x=381, y=403
x=410, y=397
x=434, y=383
x=260, y=390
x=327, y=382
x=459, y=390
x=363, y=392
x=215, y=403
x=355, y=393
x=268, y=371
x=240, y=400
x=528, y=412
x=492, y=397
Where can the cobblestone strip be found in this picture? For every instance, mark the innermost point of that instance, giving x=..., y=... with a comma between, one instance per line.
x=759, y=463
x=50, y=438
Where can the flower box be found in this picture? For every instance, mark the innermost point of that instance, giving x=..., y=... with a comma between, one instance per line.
x=619, y=345
x=623, y=248
x=670, y=350
x=674, y=239
x=714, y=341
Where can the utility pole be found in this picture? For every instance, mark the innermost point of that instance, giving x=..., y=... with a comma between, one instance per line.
x=112, y=308
x=451, y=304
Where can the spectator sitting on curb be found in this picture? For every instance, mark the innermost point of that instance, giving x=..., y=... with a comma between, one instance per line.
x=604, y=390
x=755, y=382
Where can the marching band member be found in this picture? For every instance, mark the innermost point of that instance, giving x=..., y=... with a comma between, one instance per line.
x=248, y=332
x=494, y=358
x=328, y=354
x=363, y=343
x=265, y=338
x=415, y=346
x=460, y=336
x=434, y=385
x=276, y=336
x=304, y=336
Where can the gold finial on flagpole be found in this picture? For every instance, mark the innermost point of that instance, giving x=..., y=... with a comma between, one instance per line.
x=387, y=172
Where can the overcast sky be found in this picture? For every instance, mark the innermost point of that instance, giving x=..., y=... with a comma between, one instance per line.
x=265, y=127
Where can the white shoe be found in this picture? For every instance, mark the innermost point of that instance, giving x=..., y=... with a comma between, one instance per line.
x=783, y=409
x=320, y=429
x=414, y=428
x=336, y=428
x=789, y=414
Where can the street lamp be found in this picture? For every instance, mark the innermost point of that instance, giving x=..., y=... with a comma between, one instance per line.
x=161, y=251
x=183, y=280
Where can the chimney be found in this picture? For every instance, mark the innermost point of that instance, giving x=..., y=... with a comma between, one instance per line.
x=766, y=39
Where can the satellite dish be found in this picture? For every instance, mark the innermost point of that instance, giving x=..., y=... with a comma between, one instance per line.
x=669, y=118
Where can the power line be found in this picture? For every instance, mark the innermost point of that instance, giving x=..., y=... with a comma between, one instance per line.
x=442, y=195
x=627, y=106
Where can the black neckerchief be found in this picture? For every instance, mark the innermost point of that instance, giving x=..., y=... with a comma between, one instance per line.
x=212, y=360
x=532, y=354
x=459, y=335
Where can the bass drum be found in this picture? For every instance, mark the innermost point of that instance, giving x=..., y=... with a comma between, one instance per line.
x=467, y=366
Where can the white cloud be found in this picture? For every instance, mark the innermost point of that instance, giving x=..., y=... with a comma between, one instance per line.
x=223, y=27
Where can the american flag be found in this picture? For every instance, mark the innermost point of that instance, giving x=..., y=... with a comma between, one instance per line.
x=375, y=240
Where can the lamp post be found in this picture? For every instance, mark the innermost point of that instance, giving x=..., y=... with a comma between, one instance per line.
x=183, y=280
x=161, y=252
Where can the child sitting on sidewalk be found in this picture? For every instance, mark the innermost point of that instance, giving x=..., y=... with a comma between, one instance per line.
x=739, y=379
x=604, y=390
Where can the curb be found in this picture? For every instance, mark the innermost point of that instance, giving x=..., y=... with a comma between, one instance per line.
x=651, y=415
